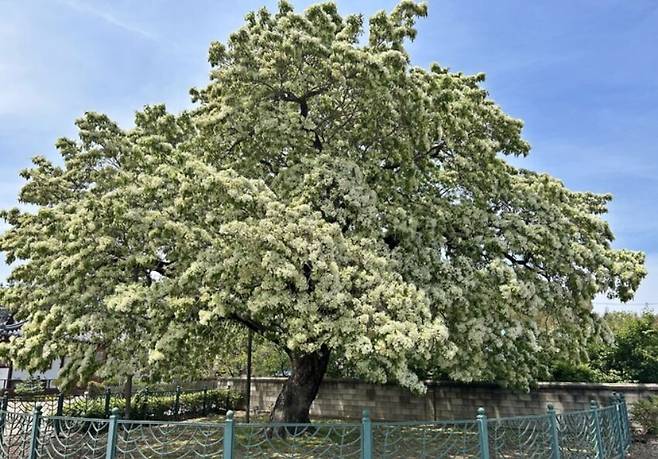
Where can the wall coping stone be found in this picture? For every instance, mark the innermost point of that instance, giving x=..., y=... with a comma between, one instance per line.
x=539, y=386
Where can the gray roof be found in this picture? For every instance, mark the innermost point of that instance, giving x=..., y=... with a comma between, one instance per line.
x=8, y=326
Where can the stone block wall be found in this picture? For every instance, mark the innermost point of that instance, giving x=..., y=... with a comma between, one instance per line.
x=346, y=399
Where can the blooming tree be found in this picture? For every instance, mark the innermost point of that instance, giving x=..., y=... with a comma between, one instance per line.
x=324, y=193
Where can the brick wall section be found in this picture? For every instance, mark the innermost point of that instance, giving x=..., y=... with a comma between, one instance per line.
x=346, y=398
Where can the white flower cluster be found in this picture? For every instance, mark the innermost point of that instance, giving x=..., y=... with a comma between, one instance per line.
x=328, y=195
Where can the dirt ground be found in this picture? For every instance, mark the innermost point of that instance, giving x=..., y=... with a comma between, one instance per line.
x=644, y=448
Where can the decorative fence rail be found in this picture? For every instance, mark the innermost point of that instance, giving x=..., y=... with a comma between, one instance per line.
x=598, y=433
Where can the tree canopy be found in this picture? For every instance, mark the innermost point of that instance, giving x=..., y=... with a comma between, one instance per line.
x=324, y=192
x=630, y=354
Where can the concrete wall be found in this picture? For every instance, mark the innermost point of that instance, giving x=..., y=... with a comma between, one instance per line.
x=347, y=399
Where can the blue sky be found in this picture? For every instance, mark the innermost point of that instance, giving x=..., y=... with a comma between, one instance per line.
x=581, y=73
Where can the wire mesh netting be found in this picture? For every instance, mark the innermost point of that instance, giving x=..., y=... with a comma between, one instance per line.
x=601, y=433
x=321, y=440
x=146, y=439
x=15, y=434
x=426, y=440
x=146, y=404
x=516, y=437
x=64, y=437
x=577, y=434
x=609, y=430
x=27, y=403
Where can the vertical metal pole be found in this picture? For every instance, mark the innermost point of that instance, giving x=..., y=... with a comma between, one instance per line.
x=554, y=432
x=600, y=450
x=205, y=401
x=484, y=433
x=34, y=438
x=619, y=424
x=59, y=411
x=60, y=405
x=3, y=415
x=366, y=436
x=112, y=435
x=250, y=343
x=177, y=403
x=627, y=423
x=228, y=436
x=106, y=402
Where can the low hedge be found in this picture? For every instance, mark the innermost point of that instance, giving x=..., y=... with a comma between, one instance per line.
x=645, y=413
x=147, y=405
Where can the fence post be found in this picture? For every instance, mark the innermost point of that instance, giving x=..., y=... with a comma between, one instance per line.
x=228, y=436
x=627, y=423
x=205, y=396
x=34, y=438
x=3, y=415
x=59, y=411
x=619, y=423
x=366, y=436
x=484, y=433
x=106, y=402
x=112, y=435
x=177, y=403
x=554, y=432
x=594, y=410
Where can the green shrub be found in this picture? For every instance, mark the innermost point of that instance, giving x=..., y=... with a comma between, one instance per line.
x=29, y=386
x=645, y=413
x=157, y=405
x=582, y=372
x=629, y=355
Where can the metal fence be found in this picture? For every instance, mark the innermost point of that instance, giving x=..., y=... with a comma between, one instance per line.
x=598, y=433
x=146, y=404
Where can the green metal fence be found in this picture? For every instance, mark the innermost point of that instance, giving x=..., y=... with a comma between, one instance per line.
x=598, y=433
x=147, y=404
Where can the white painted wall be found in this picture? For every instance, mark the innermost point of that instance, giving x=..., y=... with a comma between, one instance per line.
x=4, y=375
x=48, y=375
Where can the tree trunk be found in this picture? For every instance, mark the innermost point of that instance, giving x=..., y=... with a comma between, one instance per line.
x=127, y=394
x=301, y=387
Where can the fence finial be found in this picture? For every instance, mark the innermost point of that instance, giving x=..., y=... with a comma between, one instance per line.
x=554, y=431
x=228, y=435
x=483, y=433
x=112, y=434
x=34, y=437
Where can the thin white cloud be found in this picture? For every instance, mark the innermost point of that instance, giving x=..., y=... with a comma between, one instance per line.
x=108, y=17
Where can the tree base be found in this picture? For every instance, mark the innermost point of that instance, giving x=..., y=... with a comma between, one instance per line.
x=300, y=389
